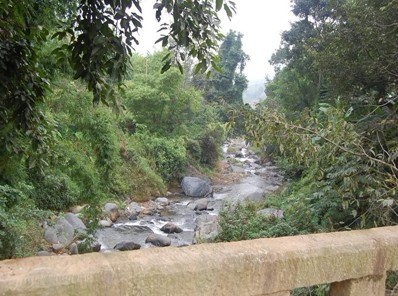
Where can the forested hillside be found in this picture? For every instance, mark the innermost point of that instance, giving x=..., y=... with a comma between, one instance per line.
x=84, y=120
x=330, y=116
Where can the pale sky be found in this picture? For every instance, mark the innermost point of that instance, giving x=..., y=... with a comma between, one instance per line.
x=260, y=21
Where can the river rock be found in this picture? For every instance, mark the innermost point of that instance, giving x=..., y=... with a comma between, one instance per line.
x=73, y=249
x=177, y=241
x=134, y=209
x=239, y=155
x=110, y=236
x=171, y=228
x=254, y=166
x=57, y=248
x=163, y=201
x=61, y=233
x=201, y=204
x=96, y=246
x=76, y=222
x=105, y=223
x=112, y=211
x=149, y=208
x=158, y=240
x=270, y=212
x=195, y=187
x=207, y=228
x=133, y=217
x=127, y=246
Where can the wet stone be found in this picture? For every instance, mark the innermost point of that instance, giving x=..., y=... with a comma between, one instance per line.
x=127, y=246
x=158, y=240
x=171, y=228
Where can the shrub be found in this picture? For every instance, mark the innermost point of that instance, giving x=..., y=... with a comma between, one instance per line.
x=194, y=150
x=348, y=180
x=20, y=232
x=103, y=135
x=210, y=144
x=55, y=191
x=143, y=180
x=242, y=222
x=167, y=155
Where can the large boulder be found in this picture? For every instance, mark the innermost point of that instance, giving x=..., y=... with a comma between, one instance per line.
x=195, y=187
x=62, y=233
x=158, y=240
x=133, y=209
x=207, y=228
x=76, y=222
x=127, y=246
x=171, y=228
x=112, y=211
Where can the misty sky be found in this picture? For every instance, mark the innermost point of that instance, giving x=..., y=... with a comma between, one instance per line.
x=260, y=21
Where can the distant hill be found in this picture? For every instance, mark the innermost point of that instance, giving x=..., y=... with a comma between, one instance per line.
x=254, y=92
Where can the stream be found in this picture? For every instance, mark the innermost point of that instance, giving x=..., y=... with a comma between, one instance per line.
x=242, y=178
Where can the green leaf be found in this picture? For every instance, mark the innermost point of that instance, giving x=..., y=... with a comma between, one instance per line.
x=166, y=57
x=216, y=66
x=228, y=10
x=198, y=68
x=219, y=4
x=166, y=67
x=180, y=67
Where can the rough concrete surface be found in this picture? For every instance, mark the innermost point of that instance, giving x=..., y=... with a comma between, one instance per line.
x=256, y=267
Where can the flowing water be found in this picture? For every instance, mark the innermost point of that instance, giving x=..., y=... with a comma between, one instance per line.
x=243, y=179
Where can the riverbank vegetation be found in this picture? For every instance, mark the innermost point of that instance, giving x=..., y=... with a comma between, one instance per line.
x=84, y=120
x=330, y=118
x=330, y=121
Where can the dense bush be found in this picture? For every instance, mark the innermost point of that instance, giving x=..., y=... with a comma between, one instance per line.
x=55, y=192
x=168, y=156
x=194, y=151
x=345, y=182
x=143, y=180
x=210, y=142
x=20, y=231
x=242, y=221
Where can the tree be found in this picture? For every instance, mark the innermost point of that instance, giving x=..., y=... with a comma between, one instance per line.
x=160, y=101
x=227, y=85
x=338, y=61
x=343, y=47
x=97, y=39
x=300, y=79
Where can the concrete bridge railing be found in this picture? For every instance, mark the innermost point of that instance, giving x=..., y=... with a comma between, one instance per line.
x=355, y=263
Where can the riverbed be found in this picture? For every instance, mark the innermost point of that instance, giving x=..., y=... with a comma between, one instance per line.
x=242, y=176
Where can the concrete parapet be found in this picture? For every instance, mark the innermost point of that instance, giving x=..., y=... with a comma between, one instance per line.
x=354, y=262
